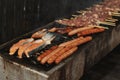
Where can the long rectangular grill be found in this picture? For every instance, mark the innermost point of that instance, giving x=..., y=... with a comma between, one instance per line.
x=70, y=69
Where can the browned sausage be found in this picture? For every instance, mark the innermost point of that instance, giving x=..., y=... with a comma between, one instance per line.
x=90, y=31
x=44, y=60
x=81, y=41
x=70, y=42
x=79, y=30
x=65, y=55
x=46, y=53
x=52, y=58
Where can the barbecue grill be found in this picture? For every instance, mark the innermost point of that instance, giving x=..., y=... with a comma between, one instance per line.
x=71, y=68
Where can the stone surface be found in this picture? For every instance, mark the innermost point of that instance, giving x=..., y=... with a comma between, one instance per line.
x=67, y=70
x=100, y=47
x=107, y=69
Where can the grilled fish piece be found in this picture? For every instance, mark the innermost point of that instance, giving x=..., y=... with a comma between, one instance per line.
x=16, y=46
x=39, y=44
x=23, y=48
x=39, y=34
x=48, y=37
x=52, y=29
x=35, y=46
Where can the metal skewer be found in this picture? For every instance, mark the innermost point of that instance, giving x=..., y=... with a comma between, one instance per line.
x=101, y=27
x=107, y=23
x=65, y=19
x=81, y=11
x=115, y=13
x=75, y=15
x=110, y=20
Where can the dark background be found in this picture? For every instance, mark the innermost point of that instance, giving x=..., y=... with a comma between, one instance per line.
x=20, y=16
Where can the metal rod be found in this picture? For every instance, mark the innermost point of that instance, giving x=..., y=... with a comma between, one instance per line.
x=115, y=13
x=81, y=11
x=75, y=15
x=110, y=20
x=107, y=23
x=65, y=19
x=101, y=27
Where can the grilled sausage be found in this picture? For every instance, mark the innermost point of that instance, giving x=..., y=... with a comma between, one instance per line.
x=52, y=58
x=39, y=34
x=70, y=42
x=78, y=30
x=44, y=60
x=65, y=55
x=46, y=53
x=90, y=31
x=81, y=41
x=53, y=29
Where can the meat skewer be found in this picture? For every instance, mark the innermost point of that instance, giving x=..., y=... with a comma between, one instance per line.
x=16, y=46
x=65, y=55
x=90, y=31
x=92, y=15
